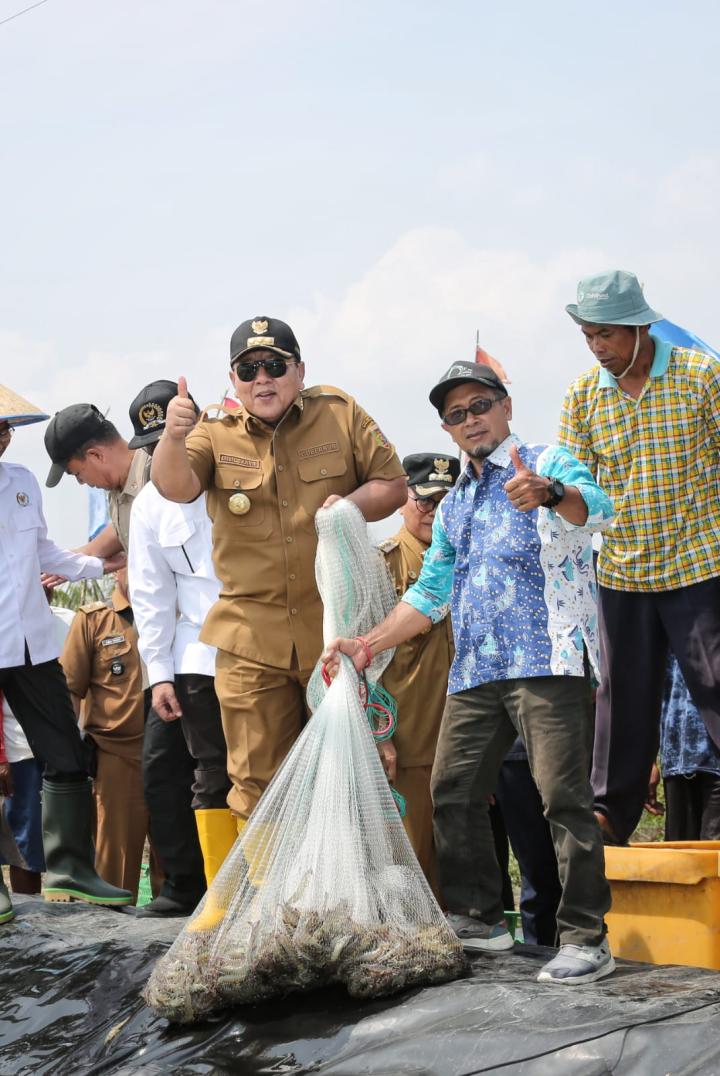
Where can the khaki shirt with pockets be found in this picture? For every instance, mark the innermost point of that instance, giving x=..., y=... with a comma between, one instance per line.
x=417, y=676
x=101, y=663
x=265, y=558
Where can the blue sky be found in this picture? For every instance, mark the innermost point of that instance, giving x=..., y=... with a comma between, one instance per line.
x=387, y=177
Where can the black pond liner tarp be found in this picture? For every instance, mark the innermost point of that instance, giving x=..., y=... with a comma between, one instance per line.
x=70, y=1005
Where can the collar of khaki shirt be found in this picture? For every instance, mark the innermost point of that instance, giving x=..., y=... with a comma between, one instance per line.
x=247, y=419
x=413, y=544
x=134, y=481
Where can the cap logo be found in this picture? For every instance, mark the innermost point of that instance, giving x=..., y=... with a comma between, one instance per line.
x=259, y=327
x=583, y=295
x=440, y=474
x=151, y=415
x=260, y=341
x=458, y=368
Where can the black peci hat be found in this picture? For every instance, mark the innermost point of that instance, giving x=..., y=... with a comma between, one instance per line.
x=270, y=334
x=431, y=472
x=148, y=412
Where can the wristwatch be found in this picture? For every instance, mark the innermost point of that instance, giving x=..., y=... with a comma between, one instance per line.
x=556, y=492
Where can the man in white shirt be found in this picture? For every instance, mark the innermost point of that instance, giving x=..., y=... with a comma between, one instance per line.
x=82, y=443
x=172, y=588
x=31, y=678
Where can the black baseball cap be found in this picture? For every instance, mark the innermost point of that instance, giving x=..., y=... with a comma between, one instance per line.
x=431, y=472
x=270, y=334
x=67, y=431
x=458, y=374
x=148, y=412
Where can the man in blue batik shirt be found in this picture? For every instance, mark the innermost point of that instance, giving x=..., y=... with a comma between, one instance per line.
x=512, y=555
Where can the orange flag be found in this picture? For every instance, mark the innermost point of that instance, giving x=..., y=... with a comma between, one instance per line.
x=482, y=356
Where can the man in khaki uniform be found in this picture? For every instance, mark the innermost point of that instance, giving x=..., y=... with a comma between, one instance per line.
x=101, y=663
x=417, y=676
x=267, y=469
x=81, y=442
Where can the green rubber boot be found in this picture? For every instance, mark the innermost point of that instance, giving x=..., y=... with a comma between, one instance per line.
x=69, y=852
x=7, y=911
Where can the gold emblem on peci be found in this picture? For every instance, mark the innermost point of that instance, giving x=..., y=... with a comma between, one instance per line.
x=151, y=415
x=259, y=327
x=440, y=474
x=239, y=504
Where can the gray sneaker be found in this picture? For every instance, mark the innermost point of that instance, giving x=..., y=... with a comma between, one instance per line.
x=576, y=964
x=474, y=934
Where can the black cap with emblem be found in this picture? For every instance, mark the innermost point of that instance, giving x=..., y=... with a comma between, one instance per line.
x=460, y=373
x=431, y=472
x=270, y=334
x=149, y=410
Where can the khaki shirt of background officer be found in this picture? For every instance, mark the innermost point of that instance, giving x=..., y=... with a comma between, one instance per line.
x=101, y=662
x=417, y=679
x=290, y=452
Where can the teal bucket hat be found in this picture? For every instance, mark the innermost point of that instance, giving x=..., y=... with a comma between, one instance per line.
x=613, y=298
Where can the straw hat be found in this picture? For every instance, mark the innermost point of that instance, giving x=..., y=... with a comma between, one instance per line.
x=17, y=411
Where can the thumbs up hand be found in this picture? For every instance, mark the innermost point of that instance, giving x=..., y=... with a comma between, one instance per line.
x=181, y=413
x=527, y=490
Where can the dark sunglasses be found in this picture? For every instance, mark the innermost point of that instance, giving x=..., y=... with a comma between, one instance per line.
x=479, y=407
x=275, y=367
x=426, y=504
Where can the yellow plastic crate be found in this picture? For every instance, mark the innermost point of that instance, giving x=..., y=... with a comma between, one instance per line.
x=665, y=902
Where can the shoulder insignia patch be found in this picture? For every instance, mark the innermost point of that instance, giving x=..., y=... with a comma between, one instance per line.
x=388, y=544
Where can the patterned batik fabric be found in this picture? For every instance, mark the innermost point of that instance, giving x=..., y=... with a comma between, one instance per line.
x=685, y=746
x=657, y=458
x=521, y=585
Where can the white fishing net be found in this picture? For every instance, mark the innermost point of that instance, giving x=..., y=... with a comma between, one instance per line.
x=322, y=886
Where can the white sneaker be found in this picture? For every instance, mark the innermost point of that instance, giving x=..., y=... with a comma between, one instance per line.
x=576, y=964
x=476, y=935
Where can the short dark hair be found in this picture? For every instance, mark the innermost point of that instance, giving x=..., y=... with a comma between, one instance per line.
x=107, y=435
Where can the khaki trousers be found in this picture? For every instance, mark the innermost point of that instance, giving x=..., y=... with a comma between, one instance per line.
x=263, y=713
x=121, y=820
x=413, y=783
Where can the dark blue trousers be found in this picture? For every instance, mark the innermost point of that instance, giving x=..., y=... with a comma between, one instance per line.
x=529, y=835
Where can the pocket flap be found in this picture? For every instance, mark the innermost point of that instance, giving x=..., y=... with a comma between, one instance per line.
x=238, y=477
x=331, y=466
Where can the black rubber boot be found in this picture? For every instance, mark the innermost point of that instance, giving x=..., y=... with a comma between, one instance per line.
x=69, y=851
x=7, y=911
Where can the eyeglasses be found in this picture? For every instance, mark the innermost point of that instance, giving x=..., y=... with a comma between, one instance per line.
x=275, y=367
x=426, y=504
x=479, y=407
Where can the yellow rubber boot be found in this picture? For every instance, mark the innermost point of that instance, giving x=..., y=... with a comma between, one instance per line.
x=217, y=836
x=217, y=833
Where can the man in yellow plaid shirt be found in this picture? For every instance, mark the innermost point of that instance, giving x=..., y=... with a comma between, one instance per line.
x=647, y=424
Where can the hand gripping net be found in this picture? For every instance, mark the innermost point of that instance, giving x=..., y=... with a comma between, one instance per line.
x=322, y=886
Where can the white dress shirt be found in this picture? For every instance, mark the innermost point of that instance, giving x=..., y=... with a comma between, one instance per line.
x=172, y=584
x=25, y=552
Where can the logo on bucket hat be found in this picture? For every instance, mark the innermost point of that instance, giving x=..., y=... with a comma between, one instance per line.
x=613, y=298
